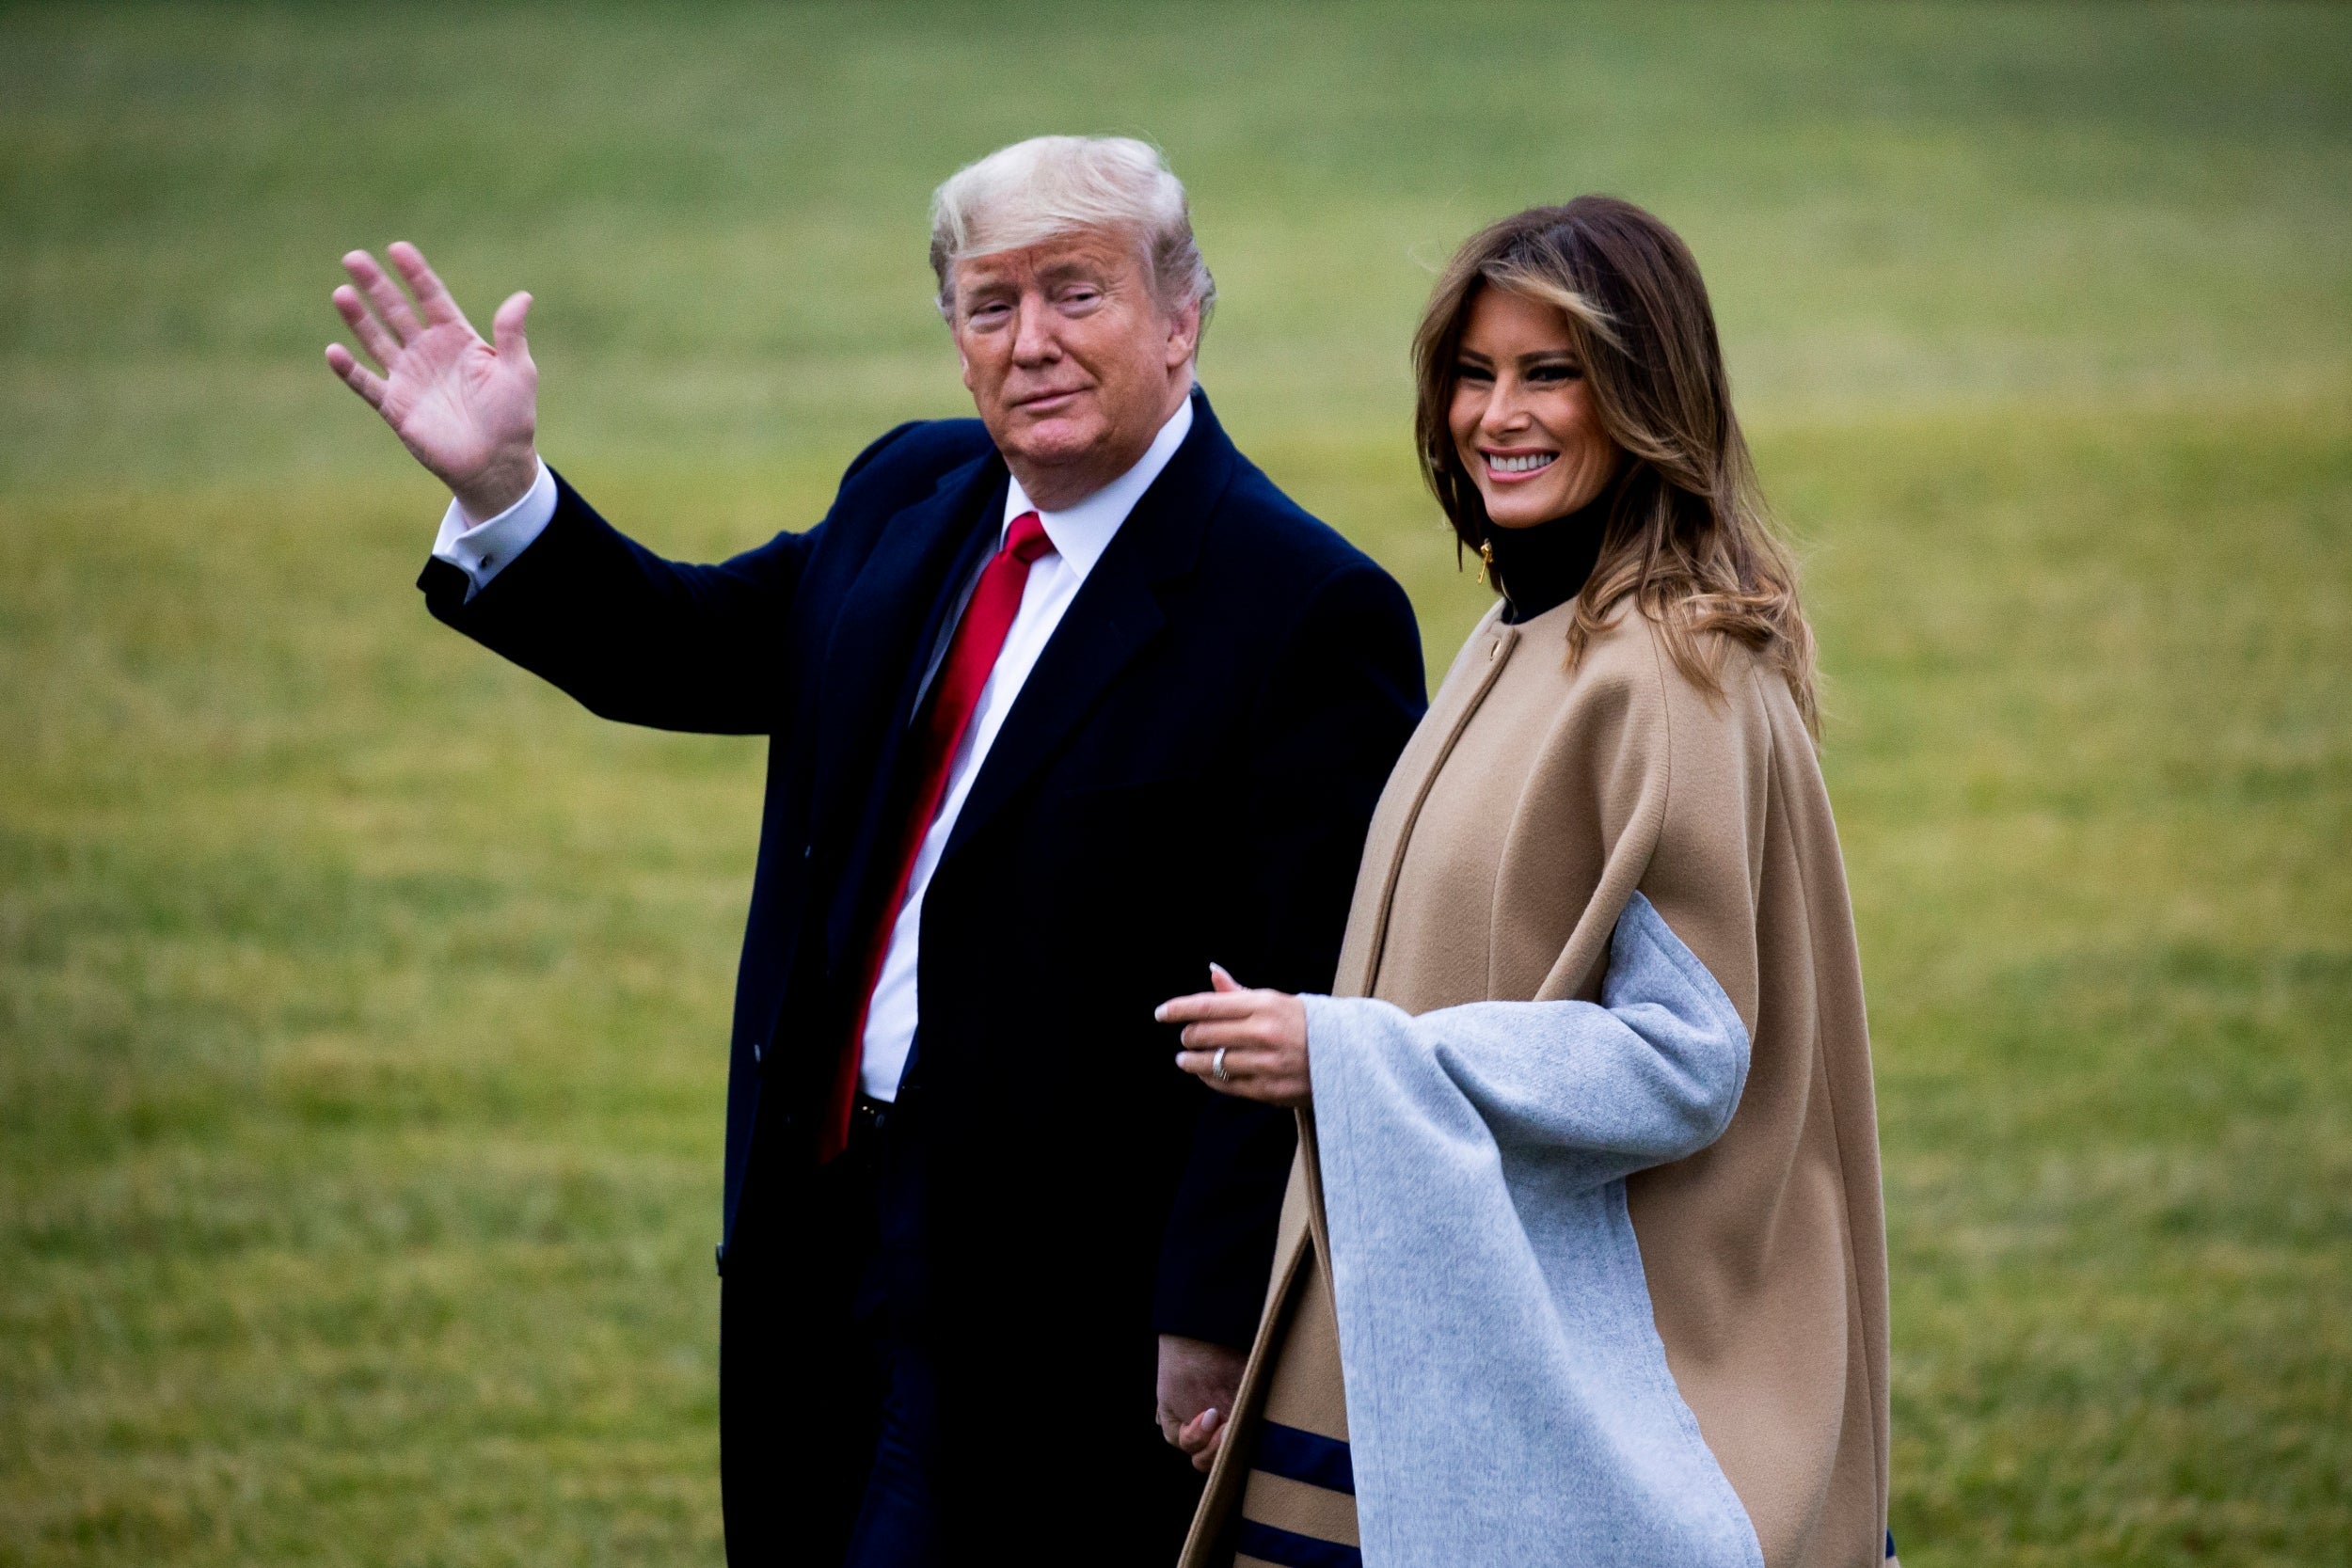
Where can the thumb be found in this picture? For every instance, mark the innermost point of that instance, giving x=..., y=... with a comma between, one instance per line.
x=506, y=328
x=1220, y=980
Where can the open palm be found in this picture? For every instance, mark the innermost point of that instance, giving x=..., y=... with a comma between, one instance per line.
x=466, y=408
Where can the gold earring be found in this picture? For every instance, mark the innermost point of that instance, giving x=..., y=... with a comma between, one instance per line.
x=1486, y=561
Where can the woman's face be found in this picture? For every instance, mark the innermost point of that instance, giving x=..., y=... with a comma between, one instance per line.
x=1522, y=412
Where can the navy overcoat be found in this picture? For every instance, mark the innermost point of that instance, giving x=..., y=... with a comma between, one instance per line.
x=1186, y=777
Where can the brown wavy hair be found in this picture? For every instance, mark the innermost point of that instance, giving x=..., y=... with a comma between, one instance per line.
x=1687, y=534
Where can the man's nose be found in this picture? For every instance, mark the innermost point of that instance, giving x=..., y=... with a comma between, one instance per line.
x=1033, y=337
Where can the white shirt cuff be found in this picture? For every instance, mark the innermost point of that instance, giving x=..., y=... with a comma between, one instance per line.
x=483, y=550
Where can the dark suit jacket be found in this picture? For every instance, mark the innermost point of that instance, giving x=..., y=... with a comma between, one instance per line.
x=1187, y=776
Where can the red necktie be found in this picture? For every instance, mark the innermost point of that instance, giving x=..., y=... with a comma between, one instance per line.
x=971, y=656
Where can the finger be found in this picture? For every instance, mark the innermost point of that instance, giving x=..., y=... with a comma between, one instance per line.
x=1237, y=1035
x=506, y=328
x=1249, y=1074
x=357, y=376
x=1266, y=1091
x=1202, y=1437
x=1195, y=1435
x=1238, y=1067
x=1202, y=1065
x=433, y=296
x=1222, y=979
x=384, y=294
x=364, y=325
x=1207, y=1003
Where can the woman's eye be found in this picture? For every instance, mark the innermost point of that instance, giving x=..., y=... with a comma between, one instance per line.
x=1554, y=374
x=1473, y=372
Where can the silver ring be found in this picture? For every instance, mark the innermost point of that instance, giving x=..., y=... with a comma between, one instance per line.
x=1217, y=1066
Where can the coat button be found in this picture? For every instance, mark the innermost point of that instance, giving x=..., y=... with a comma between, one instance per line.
x=759, y=1049
x=719, y=1259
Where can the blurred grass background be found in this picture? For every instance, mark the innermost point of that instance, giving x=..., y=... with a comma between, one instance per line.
x=362, y=1003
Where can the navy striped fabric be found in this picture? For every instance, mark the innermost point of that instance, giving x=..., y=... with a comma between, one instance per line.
x=1269, y=1544
x=1297, y=1455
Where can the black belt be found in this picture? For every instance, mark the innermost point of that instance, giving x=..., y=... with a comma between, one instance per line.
x=867, y=1117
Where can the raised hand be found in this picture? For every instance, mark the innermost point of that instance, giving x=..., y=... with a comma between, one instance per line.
x=465, y=408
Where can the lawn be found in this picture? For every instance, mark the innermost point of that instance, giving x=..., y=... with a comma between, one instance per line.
x=363, y=1003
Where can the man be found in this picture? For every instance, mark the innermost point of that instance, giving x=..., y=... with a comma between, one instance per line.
x=1065, y=702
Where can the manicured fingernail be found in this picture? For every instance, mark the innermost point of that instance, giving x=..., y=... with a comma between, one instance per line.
x=1209, y=1418
x=1159, y=1014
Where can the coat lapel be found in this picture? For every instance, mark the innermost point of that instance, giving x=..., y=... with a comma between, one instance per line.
x=888, y=621
x=1466, y=685
x=1113, y=617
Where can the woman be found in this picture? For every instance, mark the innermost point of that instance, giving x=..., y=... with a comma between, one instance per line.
x=1584, y=1261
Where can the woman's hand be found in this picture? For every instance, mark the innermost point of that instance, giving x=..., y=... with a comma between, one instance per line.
x=1197, y=1382
x=1250, y=1044
x=1203, y=1438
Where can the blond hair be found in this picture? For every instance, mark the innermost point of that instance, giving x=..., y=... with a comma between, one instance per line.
x=1046, y=186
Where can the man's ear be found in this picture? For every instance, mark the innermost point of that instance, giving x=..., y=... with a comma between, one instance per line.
x=1184, y=335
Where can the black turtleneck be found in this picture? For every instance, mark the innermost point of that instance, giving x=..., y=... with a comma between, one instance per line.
x=1543, y=567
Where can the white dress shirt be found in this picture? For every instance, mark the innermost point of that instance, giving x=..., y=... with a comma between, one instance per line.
x=1080, y=535
x=482, y=551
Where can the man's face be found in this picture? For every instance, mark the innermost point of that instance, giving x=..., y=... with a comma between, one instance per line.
x=1072, y=364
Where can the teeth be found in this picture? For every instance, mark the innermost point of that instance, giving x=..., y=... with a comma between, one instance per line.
x=1527, y=465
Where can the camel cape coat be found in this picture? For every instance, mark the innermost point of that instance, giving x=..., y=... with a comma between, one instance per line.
x=1600, y=1279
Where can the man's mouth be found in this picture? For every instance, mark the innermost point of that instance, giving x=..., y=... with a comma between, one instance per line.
x=1517, y=464
x=1040, y=402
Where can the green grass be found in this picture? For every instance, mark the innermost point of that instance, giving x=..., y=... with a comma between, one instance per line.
x=362, y=1003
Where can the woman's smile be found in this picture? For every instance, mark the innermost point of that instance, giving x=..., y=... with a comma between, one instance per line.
x=1521, y=412
x=1509, y=468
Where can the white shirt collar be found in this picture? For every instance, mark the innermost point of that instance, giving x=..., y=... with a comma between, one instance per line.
x=1083, y=531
